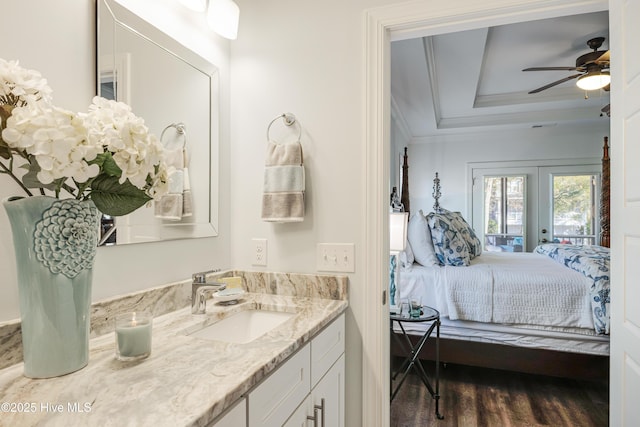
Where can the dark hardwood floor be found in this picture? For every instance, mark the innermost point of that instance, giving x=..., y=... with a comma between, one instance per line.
x=493, y=398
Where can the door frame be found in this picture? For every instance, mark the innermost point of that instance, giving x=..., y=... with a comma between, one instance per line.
x=381, y=26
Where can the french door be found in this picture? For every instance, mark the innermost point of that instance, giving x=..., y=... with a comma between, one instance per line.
x=568, y=201
x=516, y=208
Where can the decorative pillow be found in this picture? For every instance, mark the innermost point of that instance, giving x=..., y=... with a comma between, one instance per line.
x=469, y=236
x=419, y=237
x=450, y=247
x=406, y=257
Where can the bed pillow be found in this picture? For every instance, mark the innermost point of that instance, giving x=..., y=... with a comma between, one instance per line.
x=448, y=243
x=419, y=237
x=406, y=257
x=469, y=236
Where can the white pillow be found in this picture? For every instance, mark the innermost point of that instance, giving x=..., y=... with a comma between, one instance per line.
x=419, y=237
x=406, y=256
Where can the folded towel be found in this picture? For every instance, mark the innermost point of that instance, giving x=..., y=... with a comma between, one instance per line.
x=169, y=207
x=283, y=207
x=176, y=182
x=283, y=178
x=187, y=205
x=284, y=183
x=174, y=158
x=283, y=154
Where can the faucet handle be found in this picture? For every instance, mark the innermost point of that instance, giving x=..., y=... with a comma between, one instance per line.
x=202, y=276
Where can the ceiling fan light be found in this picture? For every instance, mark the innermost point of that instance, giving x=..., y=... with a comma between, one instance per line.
x=594, y=80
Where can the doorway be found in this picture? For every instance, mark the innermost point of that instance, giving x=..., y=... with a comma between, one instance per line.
x=383, y=25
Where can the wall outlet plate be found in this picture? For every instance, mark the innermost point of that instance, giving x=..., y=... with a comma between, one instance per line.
x=259, y=254
x=337, y=257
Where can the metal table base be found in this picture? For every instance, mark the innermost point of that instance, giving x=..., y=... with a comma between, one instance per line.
x=412, y=360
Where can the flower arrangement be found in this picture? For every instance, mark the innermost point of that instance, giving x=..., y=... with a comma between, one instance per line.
x=106, y=155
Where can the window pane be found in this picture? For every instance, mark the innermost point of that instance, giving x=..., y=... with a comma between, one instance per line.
x=515, y=205
x=504, y=198
x=574, y=202
x=493, y=205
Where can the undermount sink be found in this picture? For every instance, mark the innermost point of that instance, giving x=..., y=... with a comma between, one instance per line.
x=240, y=328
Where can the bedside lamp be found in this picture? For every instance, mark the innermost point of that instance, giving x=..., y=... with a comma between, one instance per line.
x=397, y=242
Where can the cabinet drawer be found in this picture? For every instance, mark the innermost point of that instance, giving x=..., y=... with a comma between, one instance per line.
x=273, y=401
x=326, y=348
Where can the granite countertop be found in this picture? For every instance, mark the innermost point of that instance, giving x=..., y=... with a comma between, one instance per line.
x=186, y=381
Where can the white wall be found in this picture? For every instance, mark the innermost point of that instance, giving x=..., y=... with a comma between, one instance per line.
x=57, y=39
x=302, y=57
x=450, y=155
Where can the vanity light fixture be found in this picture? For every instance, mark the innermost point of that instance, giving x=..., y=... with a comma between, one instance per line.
x=593, y=80
x=195, y=5
x=223, y=17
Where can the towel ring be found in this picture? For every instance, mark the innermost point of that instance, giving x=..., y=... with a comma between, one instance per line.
x=289, y=119
x=180, y=128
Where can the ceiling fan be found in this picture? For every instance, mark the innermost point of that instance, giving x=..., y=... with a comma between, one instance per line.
x=592, y=67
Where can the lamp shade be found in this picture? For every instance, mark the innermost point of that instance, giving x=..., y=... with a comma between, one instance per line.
x=594, y=80
x=398, y=231
x=223, y=17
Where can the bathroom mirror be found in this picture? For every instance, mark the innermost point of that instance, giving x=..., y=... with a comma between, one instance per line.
x=175, y=91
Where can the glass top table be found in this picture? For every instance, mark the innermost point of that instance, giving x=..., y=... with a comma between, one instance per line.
x=427, y=314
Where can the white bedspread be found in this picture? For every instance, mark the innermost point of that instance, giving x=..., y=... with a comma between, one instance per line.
x=511, y=288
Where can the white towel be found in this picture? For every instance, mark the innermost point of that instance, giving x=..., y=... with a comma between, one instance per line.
x=169, y=207
x=283, y=179
x=284, y=183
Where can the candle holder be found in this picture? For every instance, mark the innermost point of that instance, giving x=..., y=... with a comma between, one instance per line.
x=133, y=336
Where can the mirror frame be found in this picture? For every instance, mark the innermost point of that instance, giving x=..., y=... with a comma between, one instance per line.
x=129, y=21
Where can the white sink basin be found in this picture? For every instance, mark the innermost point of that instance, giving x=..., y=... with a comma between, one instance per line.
x=242, y=327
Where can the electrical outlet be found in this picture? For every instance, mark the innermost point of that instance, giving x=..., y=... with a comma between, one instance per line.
x=339, y=257
x=259, y=252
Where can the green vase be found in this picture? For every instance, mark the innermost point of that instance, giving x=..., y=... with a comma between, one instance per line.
x=55, y=244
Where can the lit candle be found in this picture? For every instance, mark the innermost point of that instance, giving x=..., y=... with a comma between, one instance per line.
x=133, y=336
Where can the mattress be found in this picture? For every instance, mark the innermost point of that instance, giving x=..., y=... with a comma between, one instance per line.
x=520, y=299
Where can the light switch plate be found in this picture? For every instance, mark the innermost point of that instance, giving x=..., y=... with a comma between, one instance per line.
x=337, y=257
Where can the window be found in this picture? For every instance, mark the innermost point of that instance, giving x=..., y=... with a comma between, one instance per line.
x=504, y=213
x=574, y=206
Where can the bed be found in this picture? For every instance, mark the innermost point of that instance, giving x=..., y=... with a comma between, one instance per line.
x=545, y=312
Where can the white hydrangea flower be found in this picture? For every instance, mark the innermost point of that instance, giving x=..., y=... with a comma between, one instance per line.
x=19, y=84
x=137, y=153
x=56, y=138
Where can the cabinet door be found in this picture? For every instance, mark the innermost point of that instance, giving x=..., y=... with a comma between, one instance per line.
x=236, y=417
x=331, y=389
x=277, y=397
x=299, y=417
x=326, y=347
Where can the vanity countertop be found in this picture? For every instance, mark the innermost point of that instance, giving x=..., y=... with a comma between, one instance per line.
x=185, y=382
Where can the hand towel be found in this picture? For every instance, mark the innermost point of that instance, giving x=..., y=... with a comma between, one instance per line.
x=187, y=204
x=284, y=183
x=169, y=207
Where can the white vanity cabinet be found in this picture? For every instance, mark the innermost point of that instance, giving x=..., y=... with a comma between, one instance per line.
x=235, y=417
x=314, y=373
x=324, y=407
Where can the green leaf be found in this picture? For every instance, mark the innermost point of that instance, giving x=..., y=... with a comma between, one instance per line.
x=107, y=164
x=115, y=199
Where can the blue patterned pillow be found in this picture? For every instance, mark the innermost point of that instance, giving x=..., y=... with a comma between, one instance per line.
x=448, y=242
x=469, y=236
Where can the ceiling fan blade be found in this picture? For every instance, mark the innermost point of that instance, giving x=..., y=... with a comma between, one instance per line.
x=557, y=82
x=605, y=57
x=550, y=69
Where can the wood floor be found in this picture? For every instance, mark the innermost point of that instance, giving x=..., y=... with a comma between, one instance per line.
x=493, y=398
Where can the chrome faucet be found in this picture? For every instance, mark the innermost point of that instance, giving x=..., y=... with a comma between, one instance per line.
x=200, y=288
